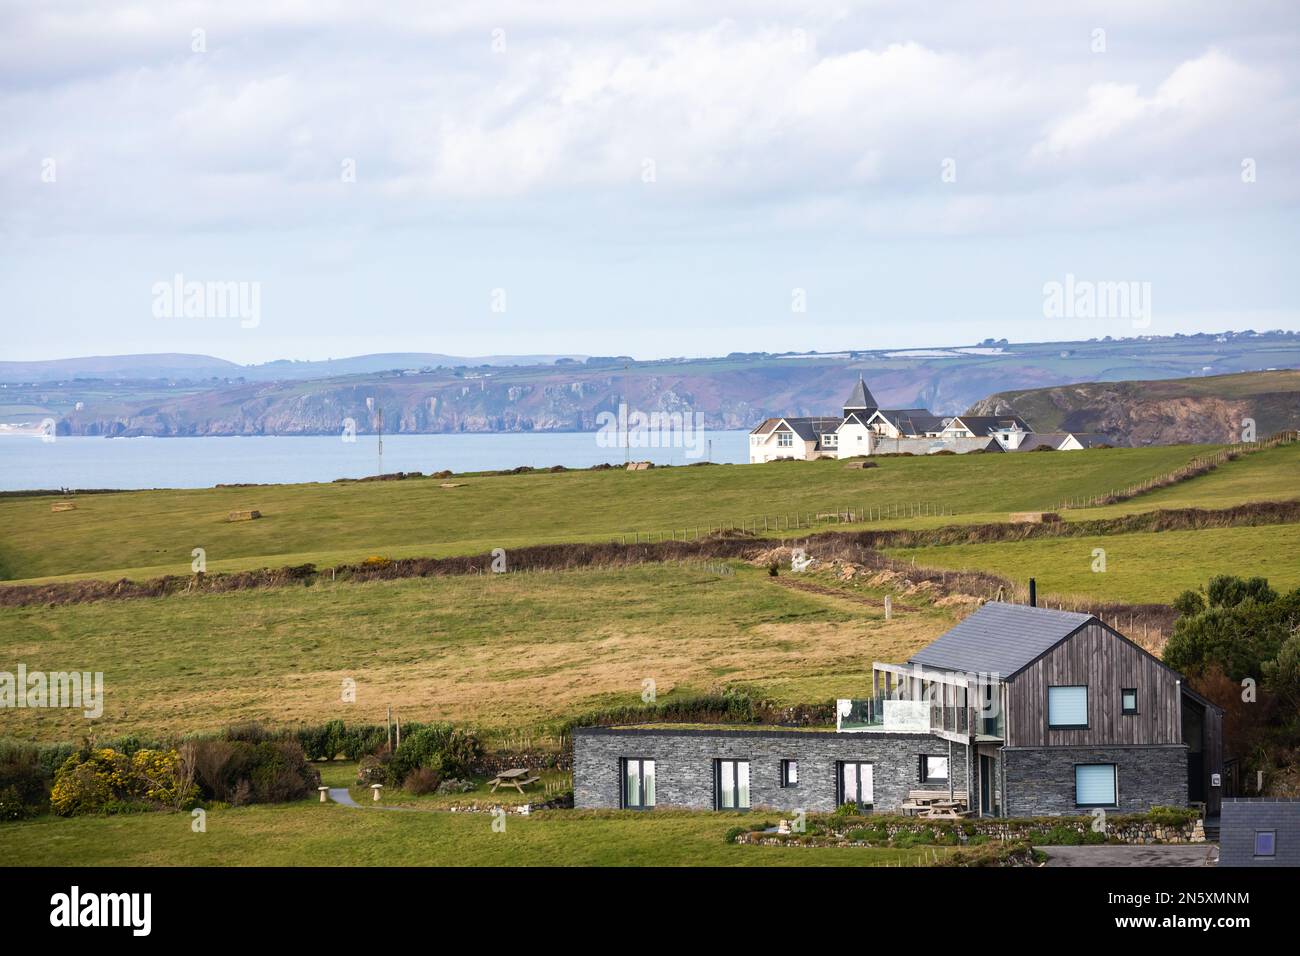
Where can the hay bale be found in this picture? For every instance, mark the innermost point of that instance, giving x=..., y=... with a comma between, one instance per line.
x=244, y=515
x=1034, y=517
x=64, y=506
x=639, y=465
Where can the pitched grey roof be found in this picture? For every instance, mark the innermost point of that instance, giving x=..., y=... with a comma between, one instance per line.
x=913, y=421
x=860, y=397
x=809, y=428
x=1000, y=638
x=1092, y=439
x=984, y=424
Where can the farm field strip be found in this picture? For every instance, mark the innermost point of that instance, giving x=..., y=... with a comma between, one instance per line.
x=142, y=534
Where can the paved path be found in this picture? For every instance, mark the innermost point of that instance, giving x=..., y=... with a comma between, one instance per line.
x=1196, y=854
x=342, y=796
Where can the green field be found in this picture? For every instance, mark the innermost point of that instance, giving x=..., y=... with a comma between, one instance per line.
x=142, y=534
x=1140, y=568
x=311, y=834
x=513, y=650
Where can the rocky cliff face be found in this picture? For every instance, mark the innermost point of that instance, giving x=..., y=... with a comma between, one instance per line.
x=1203, y=410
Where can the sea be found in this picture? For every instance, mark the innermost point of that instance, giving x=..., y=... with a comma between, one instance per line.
x=28, y=462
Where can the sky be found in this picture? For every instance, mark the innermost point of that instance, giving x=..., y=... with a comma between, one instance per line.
x=652, y=179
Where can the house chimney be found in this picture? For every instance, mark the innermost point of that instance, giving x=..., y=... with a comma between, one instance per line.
x=1033, y=593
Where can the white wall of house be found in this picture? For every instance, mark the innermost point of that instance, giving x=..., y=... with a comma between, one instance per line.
x=1010, y=438
x=1070, y=444
x=853, y=440
x=772, y=446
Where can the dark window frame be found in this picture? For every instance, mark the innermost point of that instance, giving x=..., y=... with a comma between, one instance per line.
x=1087, y=700
x=1124, y=709
x=1265, y=856
x=840, y=766
x=735, y=783
x=922, y=769
x=786, y=764
x=1114, y=771
x=622, y=783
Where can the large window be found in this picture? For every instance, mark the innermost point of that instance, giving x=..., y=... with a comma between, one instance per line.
x=785, y=439
x=1265, y=842
x=934, y=769
x=1094, y=785
x=732, y=784
x=638, y=784
x=855, y=783
x=1067, y=707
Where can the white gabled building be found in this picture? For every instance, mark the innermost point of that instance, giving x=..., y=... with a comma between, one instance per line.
x=867, y=429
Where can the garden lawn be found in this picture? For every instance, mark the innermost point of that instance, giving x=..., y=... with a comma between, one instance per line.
x=312, y=834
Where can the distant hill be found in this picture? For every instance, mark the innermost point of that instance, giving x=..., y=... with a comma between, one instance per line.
x=425, y=393
x=198, y=367
x=1208, y=409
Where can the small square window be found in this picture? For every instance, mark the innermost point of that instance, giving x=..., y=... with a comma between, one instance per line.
x=1265, y=842
x=1129, y=701
x=789, y=773
x=934, y=769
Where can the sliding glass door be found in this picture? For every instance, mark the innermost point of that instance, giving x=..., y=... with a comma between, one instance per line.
x=638, y=784
x=855, y=783
x=731, y=779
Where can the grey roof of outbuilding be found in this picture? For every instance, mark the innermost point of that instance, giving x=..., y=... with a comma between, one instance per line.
x=984, y=424
x=1000, y=639
x=913, y=421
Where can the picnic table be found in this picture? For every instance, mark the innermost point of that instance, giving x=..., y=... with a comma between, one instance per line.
x=518, y=777
x=946, y=810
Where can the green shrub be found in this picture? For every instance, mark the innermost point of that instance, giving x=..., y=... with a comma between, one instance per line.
x=1189, y=603
x=103, y=780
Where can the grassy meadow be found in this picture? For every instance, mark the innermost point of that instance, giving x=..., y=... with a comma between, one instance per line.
x=1140, y=568
x=498, y=651
x=150, y=533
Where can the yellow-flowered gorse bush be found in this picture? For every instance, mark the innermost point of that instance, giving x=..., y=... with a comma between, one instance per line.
x=101, y=780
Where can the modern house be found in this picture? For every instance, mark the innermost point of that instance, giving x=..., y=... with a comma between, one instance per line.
x=1016, y=711
x=1259, y=831
x=867, y=429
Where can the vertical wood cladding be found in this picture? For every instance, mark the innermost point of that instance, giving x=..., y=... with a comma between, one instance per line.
x=1099, y=658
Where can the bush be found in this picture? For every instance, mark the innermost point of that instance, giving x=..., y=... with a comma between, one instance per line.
x=250, y=764
x=104, y=780
x=452, y=751
x=422, y=780
x=1225, y=590
x=24, y=780
x=1189, y=603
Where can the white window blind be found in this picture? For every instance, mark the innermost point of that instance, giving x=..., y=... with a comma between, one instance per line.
x=1067, y=706
x=1094, y=785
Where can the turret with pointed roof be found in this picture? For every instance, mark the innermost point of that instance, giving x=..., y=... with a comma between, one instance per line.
x=860, y=401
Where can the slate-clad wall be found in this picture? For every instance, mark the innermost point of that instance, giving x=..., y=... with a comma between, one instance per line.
x=684, y=765
x=1239, y=820
x=1040, y=780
